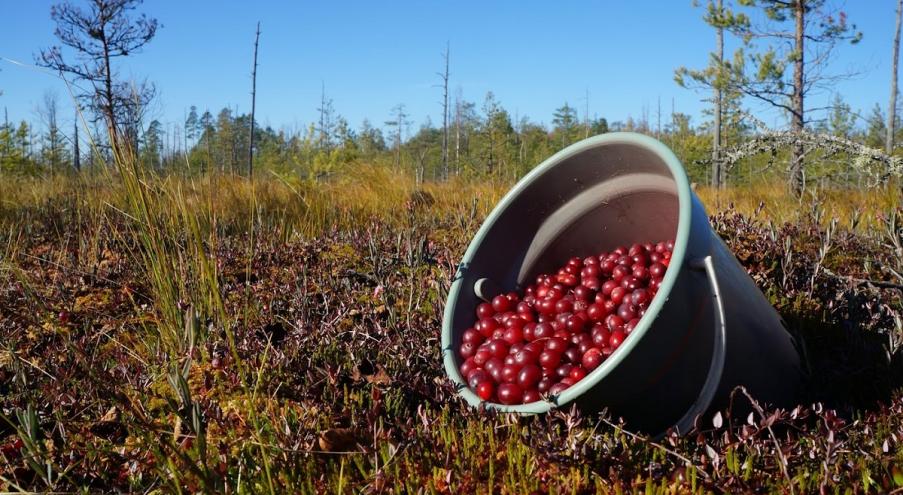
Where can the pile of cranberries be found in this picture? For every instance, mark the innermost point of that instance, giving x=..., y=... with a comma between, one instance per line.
x=563, y=327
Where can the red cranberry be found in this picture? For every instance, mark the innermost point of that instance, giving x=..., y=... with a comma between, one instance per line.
x=476, y=377
x=467, y=366
x=472, y=336
x=509, y=393
x=549, y=359
x=544, y=384
x=617, y=338
x=467, y=350
x=572, y=354
x=592, y=358
x=558, y=388
x=485, y=390
x=617, y=294
x=529, y=376
x=531, y=396
x=577, y=373
x=657, y=270
x=484, y=310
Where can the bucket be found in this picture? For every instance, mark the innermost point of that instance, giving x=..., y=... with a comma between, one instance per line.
x=708, y=330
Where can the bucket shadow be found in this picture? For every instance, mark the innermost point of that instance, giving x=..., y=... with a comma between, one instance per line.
x=850, y=369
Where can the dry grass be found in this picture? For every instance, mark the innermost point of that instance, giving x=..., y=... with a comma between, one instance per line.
x=207, y=334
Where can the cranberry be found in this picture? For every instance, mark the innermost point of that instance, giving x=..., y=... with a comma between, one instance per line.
x=627, y=312
x=481, y=356
x=577, y=373
x=619, y=273
x=498, y=348
x=487, y=326
x=549, y=359
x=556, y=344
x=564, y=306
x=508, y=374
x=529, y=376
x=484, y=310
x=467, y=350
x=592, y=358
x=608, y=287
x=513, y=335
x=600, y=336
x=525, y=357
x=564, y=370
x=640, y=297
x=572, y=354
x=617, y=294
x=558, y=388
x=531, y=396
x=543, y=331
x=596, y=312
x=617, y=338
x=657, y=270
x=640, y=272
x=472, y=336
x=467, y=366
x=630, y=325
x=583, y=293
x=614, y=322
x=476, y=377
x=485, y=389
x=575, y=323
x=509, y=393
x=544, y=384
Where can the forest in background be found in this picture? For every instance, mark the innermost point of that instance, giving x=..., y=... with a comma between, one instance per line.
x=483, y=139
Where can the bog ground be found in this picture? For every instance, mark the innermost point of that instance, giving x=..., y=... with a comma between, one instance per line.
x=209, y=334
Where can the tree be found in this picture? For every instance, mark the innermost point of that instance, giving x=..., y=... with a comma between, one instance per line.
x=399, y=123
x=805, y=34
x=876, y=128
x=444, y=76
x=326, y=126
x=566, y=124
x=717, y=77
x=152, y=145
x=841, y=120
x=98, y=36
x=253, y=103
x=892, y=108
x=192, y=124
x=53, y=152
x=370, y=139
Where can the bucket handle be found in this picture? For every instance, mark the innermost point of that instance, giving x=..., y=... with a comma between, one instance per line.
x=713, y=379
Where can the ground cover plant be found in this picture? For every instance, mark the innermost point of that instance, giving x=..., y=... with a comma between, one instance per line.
x=214, y=334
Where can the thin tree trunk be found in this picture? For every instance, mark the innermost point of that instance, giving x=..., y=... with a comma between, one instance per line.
x=716, y=142
x=445, y=116
x=892, y=108
x=253, y=104
x=76, y=158
x=797, y=180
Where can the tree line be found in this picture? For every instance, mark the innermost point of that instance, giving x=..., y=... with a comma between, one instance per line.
x=783, y=58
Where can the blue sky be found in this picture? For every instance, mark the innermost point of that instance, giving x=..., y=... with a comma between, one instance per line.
x=372, y=56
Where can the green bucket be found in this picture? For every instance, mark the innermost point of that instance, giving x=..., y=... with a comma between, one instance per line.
x=708, y=330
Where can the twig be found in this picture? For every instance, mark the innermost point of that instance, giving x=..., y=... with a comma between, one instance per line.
x=777, y=446
x=877, y=284
x=659, y=446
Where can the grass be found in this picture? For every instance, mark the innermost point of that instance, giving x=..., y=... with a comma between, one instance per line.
x=210, y=334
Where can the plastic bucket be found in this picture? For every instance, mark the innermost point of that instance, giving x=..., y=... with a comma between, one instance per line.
x=709, y=328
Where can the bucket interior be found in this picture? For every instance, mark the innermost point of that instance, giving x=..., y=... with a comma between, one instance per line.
x=590, y=200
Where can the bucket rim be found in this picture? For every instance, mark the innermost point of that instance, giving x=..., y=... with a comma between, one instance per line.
x=681, y=239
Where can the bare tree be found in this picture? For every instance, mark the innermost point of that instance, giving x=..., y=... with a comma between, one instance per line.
x=892, y=108
x=399, y=123
x=76, y=152
x=444, y=76
x=253, y=104
x=102, y=33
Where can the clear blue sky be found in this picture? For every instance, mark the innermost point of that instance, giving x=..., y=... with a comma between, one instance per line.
x=372, y=56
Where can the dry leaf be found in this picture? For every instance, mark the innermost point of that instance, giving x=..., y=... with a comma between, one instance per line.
x=338, y=440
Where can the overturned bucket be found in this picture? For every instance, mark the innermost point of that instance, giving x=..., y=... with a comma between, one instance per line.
x=708, y=330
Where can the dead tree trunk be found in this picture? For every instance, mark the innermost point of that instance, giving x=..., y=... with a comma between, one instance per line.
x=445, y=116
x=76, y=154
x=892, y=108
x=253, y=104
